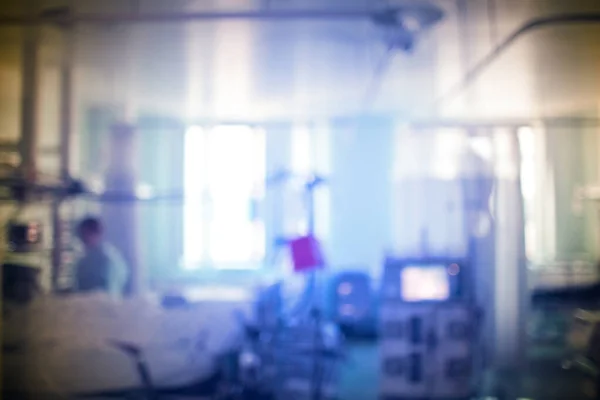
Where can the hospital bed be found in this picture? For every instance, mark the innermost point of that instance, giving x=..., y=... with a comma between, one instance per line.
x=84, y=345
x=95, y=346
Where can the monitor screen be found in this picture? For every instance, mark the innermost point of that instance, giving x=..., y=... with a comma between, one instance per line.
x=425, y=283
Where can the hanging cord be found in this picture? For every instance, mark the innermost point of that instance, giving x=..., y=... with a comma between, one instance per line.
x=374, y=85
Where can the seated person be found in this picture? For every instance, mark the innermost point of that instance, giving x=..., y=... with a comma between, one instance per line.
x=102, y=268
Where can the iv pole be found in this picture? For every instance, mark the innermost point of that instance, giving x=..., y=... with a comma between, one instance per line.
x=280, y=242
x=308, y=297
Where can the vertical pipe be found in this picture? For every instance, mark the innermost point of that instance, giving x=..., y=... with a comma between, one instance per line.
x=309, y=193
x=521, y=261
x=121, y=219
x=66, y=103
x=511, y=292
x=66, y=92
x=29, y=94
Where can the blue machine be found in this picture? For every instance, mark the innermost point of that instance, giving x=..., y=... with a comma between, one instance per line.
x=354, y=303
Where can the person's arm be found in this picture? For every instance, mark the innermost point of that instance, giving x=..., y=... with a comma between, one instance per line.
x=117, y=274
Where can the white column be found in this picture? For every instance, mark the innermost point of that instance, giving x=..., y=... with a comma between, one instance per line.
x=511, y=291
x=120, y=218
x=545, y=197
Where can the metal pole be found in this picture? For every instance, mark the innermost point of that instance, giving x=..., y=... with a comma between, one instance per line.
x=66, y=92
x=121, y=218
x=66, y=103
x=310, y=206
x=503, y=123
x=29, y=90
x=185, y=17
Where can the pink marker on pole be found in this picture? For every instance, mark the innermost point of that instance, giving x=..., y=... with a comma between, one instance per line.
x=306, y=254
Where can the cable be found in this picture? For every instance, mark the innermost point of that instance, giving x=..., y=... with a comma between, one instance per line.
x=487, y=60
x=379, y=73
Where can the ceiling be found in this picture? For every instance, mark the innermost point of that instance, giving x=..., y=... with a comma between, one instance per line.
x=242, y=70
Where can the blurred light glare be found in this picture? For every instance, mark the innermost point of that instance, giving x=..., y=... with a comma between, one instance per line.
x=218, y=293
x=448, y=148
x=144, y=191
x=347, y=310
x=411, y=23
x=481, y=146
x=96, y=185
x=344, y=289
x=224, y=170
x=453, y=269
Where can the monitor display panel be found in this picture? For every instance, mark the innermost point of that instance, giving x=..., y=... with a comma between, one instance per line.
x=425, y=283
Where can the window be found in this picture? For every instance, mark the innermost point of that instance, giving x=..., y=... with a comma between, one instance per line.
x=427, y=197
x=224, y=171
x=309, y=155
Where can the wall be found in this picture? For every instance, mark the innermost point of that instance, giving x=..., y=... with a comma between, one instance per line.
x=10, y=79
x=361, y=192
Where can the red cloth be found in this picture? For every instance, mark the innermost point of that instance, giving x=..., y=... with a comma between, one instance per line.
x=306, y=254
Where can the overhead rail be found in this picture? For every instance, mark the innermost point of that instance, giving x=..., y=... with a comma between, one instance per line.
x=427, y=14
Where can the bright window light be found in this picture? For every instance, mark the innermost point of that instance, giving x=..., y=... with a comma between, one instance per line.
x=448, y=146
x=301, y=154
x=309, y=155
x=144, y=191
x=482, y=146
x=194, y=151
x=225, y=170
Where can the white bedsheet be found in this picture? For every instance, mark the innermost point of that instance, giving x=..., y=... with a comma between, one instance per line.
x=66, y=348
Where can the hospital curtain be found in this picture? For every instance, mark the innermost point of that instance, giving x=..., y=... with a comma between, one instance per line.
x=93, y=154
x=93, y=145
x=161, y=173
x=573, y=151
x=160, y=151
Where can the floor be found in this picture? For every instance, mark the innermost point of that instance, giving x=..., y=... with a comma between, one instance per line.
x=545, y=379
